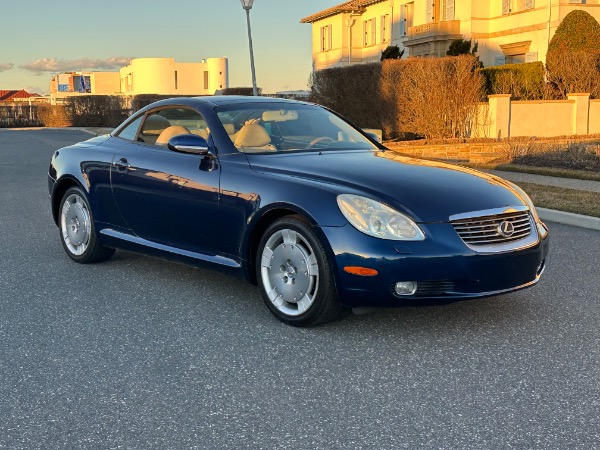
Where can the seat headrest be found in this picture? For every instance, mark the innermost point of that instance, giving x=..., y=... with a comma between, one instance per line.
x=229, y=128
x=252, y=135
x=154, y=125
x=169, y=132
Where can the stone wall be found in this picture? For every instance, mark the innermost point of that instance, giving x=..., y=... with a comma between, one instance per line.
x=503, y=118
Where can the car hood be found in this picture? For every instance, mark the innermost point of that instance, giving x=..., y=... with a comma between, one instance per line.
x=429, y=191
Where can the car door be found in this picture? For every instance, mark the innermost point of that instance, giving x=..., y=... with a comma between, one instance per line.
x=167, y=197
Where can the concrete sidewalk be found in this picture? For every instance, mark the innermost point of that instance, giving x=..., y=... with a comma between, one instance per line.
x=568, y=183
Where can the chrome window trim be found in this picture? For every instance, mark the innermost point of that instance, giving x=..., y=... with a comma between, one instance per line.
x=488, y=212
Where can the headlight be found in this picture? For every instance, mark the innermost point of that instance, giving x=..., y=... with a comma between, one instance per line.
x=378, y=220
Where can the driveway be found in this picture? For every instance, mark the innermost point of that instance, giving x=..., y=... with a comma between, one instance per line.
x=144, y=353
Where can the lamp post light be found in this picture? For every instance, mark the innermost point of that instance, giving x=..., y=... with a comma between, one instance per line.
x=247, y=5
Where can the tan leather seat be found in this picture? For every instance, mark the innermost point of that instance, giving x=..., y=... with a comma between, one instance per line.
x=253, y=138
x=168, y=133
x=202, y=132
x=153, y=126
x=230, y=130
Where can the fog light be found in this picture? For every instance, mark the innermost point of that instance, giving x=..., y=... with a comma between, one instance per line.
x=406, y=287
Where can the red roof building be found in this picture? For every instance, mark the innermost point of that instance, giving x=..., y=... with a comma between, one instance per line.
x=11, y=96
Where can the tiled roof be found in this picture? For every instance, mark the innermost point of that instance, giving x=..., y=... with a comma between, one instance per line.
x=351, y=6
x=7, y=96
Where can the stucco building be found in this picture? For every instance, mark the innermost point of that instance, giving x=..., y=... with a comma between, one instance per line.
x=85, y=83
x=507, y=31
x=163, y=76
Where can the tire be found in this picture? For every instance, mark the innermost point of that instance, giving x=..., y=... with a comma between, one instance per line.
x=77, y=229
x=295, y=275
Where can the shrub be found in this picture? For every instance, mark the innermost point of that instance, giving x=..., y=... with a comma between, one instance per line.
x=142, y=100
x=247, y=91
x=573, y=59
x=437, y=97
x=351, y=91
x=461, y=47
x=97, y=110
x=577, y=31
x=522, y=81
x=392, y=52
x=54, y=115
x=430, y=97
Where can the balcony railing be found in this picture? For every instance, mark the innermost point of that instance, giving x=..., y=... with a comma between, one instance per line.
x=434, y=30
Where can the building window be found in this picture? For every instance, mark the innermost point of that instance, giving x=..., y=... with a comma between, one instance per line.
x=369, y=32
x=326, y=38
x=175, y=79
x=513, y=6
x=406, y=21
x=129, y=79
x=430, y=11
x=206, y=80
x=384, y=24
x=515, y=59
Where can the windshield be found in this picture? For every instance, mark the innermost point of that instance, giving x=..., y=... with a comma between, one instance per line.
x=273, y=127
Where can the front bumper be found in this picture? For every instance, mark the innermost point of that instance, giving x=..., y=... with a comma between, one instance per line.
x=444, y=268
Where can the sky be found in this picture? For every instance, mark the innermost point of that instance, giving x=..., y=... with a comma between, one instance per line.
x=39, y=38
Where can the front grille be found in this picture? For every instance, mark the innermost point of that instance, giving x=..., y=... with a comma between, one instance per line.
x=494, y=229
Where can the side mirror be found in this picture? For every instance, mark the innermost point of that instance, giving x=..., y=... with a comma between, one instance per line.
x=188, y=143
x=376, y=137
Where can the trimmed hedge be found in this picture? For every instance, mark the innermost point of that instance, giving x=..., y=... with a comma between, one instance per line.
x=522, y=81
x=246, y=91
x=430, y=97
x=573, y=59
x=97, y=110
x=351, y=91
x=577, y=31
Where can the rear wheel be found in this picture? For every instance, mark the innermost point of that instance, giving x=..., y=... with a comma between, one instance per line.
x=77, y=229
x=295, y=275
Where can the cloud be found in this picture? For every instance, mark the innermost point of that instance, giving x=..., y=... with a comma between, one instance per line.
x=37, y=90
x=6, y=66
x=70, y=65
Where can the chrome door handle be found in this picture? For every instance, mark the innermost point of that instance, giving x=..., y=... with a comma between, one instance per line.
x=122, y=164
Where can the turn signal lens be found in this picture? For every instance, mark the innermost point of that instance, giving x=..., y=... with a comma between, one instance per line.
x=362, y=271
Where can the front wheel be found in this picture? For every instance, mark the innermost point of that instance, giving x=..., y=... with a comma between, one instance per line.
x=77, y=229
x=295, y=275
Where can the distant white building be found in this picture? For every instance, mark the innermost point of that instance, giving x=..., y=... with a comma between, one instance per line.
x=162, y=76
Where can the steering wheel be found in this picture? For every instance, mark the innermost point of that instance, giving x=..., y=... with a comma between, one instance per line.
x=318, y=140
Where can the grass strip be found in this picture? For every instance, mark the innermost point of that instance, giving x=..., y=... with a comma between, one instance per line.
x=550, y=171
x=562, y=199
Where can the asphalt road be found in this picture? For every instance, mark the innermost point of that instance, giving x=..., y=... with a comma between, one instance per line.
x=142, y=353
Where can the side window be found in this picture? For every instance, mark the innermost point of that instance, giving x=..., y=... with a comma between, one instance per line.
x=130, y=130
x=162, y=125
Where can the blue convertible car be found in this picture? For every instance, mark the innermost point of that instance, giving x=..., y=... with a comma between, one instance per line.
x=292, y=197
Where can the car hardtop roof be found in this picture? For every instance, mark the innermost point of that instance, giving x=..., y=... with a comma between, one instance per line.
x=231, y=99
x=221, y=100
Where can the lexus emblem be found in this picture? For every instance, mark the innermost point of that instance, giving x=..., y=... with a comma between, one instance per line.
x=506, y=229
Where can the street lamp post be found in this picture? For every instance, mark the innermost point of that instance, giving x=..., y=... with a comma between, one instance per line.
x=247, y=5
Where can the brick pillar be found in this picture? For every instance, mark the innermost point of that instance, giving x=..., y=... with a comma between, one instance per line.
x=499, y=115
x=581, y=113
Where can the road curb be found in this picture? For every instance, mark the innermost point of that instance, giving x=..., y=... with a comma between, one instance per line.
x=567, y=218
